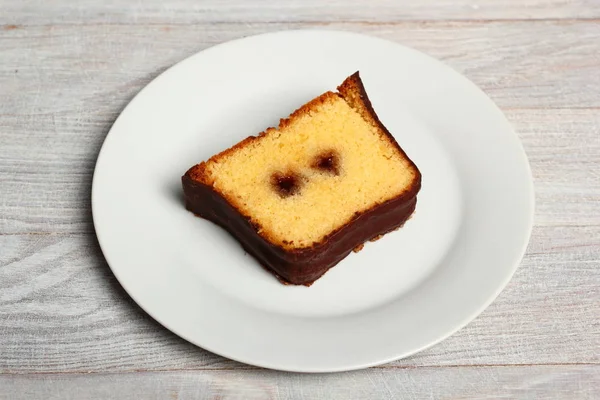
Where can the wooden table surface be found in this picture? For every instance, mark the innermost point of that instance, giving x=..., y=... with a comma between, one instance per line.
x=67, y=68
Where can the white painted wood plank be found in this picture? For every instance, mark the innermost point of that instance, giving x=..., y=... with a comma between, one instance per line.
x=190, y=11
x=536, y=382
x=47, y=161
x=66, y=70
x=77, y=69
x=61, y=310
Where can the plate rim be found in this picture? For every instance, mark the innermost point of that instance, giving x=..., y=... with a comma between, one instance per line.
x=400, y=355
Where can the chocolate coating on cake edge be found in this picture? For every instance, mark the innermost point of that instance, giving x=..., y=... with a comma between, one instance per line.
x=302, y=266
x=306, y=265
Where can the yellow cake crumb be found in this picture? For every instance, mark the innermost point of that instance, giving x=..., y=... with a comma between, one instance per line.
x=313, y=174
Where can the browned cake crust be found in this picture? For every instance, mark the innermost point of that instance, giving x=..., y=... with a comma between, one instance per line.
x=304, y=266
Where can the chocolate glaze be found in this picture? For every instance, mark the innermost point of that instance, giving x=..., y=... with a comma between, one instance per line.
x=304, y=266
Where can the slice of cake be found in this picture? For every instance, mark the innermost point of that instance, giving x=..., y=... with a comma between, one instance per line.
x=302, y=196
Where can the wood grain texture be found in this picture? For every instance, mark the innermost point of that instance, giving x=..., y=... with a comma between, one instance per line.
x=47, y=162
x=76, y=70
x=538, y=382
x=68, y=68
x=61, y=310
x=186, y=11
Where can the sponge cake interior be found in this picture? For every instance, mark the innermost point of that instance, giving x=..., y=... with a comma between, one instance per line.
x=321, y=168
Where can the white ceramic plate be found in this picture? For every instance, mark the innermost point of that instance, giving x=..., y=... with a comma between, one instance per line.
x=397, y=296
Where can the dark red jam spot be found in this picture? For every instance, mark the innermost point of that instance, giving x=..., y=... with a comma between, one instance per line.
x=287, y=184
x=327, y=162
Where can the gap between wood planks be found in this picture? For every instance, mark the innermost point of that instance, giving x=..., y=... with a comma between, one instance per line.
x=93, y=232
x=246, y=367
x=12, y=27
x=85, y=233
x=575, y=108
